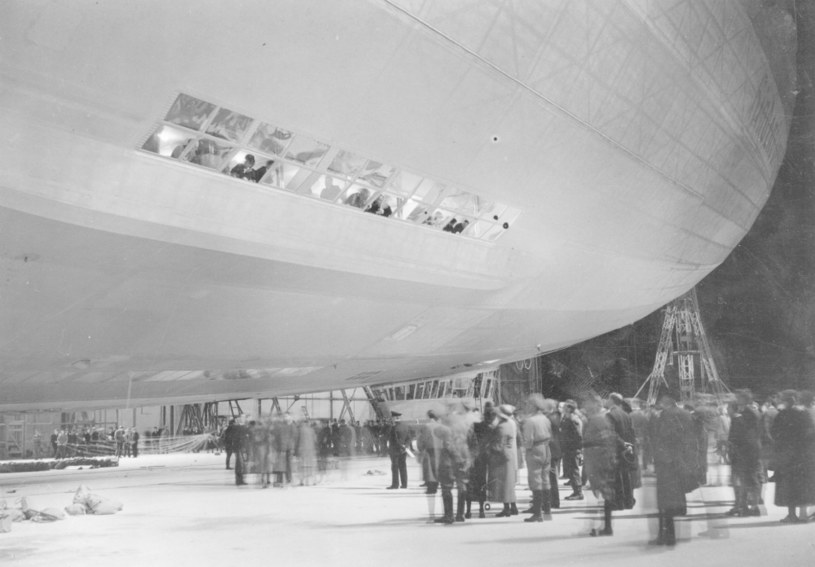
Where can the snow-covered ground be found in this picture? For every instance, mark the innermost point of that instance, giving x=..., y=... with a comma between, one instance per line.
x=185, y=510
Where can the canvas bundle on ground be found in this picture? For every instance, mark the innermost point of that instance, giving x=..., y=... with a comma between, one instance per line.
x=94, y=503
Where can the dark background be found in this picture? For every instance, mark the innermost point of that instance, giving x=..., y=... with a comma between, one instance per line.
x=758, y=307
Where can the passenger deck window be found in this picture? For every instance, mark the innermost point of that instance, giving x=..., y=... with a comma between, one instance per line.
x=306, y=150
x=375, y=173
x=438, y=219
x=460, y=201
x=428, y=191
x=357, y=196
x=213, y=137
x=347, y=164
x=208, y=153
x=404, y=183
x=168, y=142
x=190, y=112
x=328, y=187
x=270, y=139
x=412, y=210
x=229, y=125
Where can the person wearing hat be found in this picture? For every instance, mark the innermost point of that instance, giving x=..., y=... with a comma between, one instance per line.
x=627, y=467
x=745, y=455
x=505, y=461
x=600, y=452
x=482, y=436
x=674, y=446
x=571, y=441
x=397, y=450
x=428, y=446
x=537, y=433
x=793, y=432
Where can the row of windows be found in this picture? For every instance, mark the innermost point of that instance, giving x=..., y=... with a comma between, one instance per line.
x=200, y=133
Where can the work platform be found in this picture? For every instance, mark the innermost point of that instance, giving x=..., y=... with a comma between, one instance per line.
x=184, y=509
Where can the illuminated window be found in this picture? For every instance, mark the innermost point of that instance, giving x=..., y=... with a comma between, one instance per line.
x=205, y=135
x=357, y=196
x=229, y=125
x=375, y=173
x=328, y=187
x=306, y=150
x=347, y=164
x=190, y=112
x=207, y=153
x=270, y=139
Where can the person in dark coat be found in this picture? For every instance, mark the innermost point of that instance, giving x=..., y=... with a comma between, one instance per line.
x=600, y=453
x=453, y=462
x=229, y=441
x=674, y=444
x=571, y=442
x=241, y=446
x=397, y=450
x=793, y=433
x=626, y=462
x=477, y=486
x=745, y=452
x=557, y=454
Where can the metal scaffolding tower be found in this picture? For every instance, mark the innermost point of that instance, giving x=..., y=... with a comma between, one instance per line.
x=683, y=337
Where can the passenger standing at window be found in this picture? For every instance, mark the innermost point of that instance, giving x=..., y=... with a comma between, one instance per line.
x=261, y=171
x=246, y=169
x=358, y=199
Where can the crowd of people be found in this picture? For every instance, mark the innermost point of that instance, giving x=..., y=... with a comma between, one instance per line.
x=478, y=455
x=86, y=441
x=608, y=446
x=270, y=445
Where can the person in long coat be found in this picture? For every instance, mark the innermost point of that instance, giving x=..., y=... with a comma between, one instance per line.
x=537, y=436
x=793, y=434
x=571, y=442
x=745, y=453
x=626, y=463
x=674, y=444
x=453, y=463
x=428, y=446
x=600, y=455
x=480, y=451
x=505, y=461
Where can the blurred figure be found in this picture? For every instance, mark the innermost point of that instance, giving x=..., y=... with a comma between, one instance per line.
x=307, y=452
x=745, y=451
x=722, y=431
x=794, y=433
x=453, y=463
x=261, y=439
x=38, y=451
x=537, y=434
x=769, y=411
x=241, y=447
x=553, y=414
x=505, y=461
x=600, y=453
x=119, y=437
x=675, y=459
x=245, y=170
x=429, y=446
x=62, y=444
x=134, y=436
x=229, y=441
x=571, y=441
